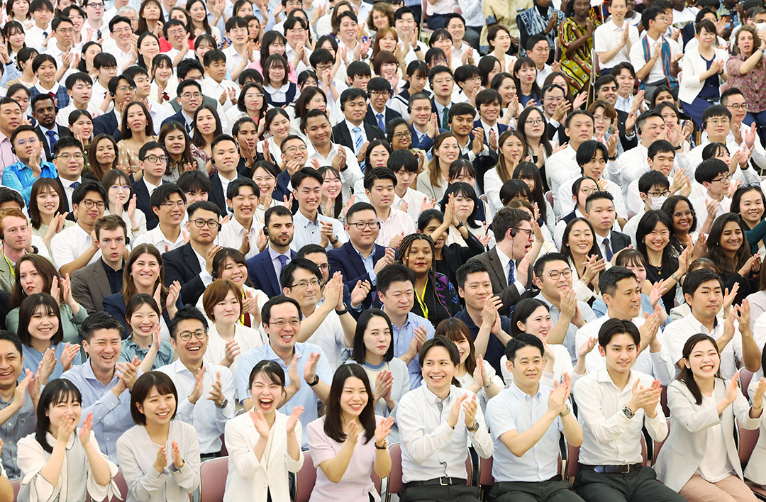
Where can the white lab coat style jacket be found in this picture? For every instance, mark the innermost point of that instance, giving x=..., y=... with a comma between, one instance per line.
x=693, y=66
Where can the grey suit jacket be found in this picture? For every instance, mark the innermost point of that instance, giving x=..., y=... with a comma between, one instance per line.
x=509, y=295
x=6, y=276
x=90, y=286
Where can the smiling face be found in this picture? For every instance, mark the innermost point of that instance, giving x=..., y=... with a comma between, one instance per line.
x=82, y=127
x=158, y=408
x=421, y=112
x=438, y=370
x=48, y=201
x=625, y=303
x=448, y=151
x=225, y=153
x=552, y=288
x=731, y=237
x=145, y=272
x=595, y=167
x=318, y=130
x=580, y=239
x=353, y=397
x=751, y=207
x=234, y=271
x=283, y=338
x=527, y=366
x=704, y=360
x=265, y=180
x=104, y=349
x=658, y=238
x=69, y=409
x=11, y=364
x=419, y=258
x=331, y=185
x=244, y=203
x=228, y=310
x=191, y=351
x=143, y=320
x=502, y=42
x=266, y=393
x=44, y=324
x=620, y=353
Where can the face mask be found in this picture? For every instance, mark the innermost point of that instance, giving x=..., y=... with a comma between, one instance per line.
x=657, y=202
x=760, y=27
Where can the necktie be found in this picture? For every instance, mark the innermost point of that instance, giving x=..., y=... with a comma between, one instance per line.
x=608, y=250
x=51, y=139
x=45, y=34
x=188, y=129
x=282, y=261
x=445, y=119
x=381, y=124
x=358, y=137
x=511, y=276
x=74, y=185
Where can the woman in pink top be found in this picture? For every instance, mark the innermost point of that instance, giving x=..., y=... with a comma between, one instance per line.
x=350, y=441
x=274, y=43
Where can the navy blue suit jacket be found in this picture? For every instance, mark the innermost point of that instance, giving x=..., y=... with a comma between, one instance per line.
x=262, y=274
x=182, y=265
x=388, y=116
x=177, y=117
x=217, y=196
x=347, y=261
x=143, y=203
x=107, y=124
x=501, y=128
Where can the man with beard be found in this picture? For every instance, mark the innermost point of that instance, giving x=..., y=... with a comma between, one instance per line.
x=10, y=118
x=265, y=267
x=44, y=112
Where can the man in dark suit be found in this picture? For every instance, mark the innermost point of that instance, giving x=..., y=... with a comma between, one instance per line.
x=507, y=263
x=378, y=114
x=599, y=210
x=191, y=69
x=183, y=264
x=153, y=167
x=122, y=91
x=606, y=90
x=353, y=104
x=265, y=267
x=360, y=259
x=94, y=282
x=226, y=159
x=44, y=111
x=190, y=98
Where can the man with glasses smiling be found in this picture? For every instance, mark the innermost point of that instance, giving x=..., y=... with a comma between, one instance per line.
x=192, y=264
x=28, y=148
x=189, y=96
x=282, y=322
x=76, y=246
x=152, y=160
x=168, y=203
x=378, y=113
x=742, y=134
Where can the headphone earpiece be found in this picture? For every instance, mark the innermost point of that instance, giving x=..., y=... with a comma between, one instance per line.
x=513, y=232
x=265, y=231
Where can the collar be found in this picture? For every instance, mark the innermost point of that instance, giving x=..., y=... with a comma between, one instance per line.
x=43, y=90
x=699, y=327
x=304, y=221
x=273, y=254
x=149, y=186
x=602, y=376
x=87, y=370
x=523, y=396
x=352, y=126
x=68, y=183
x=432, y=398
x=504, y=258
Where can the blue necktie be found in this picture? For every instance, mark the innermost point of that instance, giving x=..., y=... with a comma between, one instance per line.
x=381, y=124
x=358, y=141
x=511, y=277
x=282, y=261
x=74, y=185
x=608, y=250
x=45, y=34
x=51, y=139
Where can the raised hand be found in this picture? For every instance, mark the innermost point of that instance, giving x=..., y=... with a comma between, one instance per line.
x=455, y=411
x=161, y=461
x=127, y=373
x=309, y=371
x=292, y=420
x=199, y=385
x=470, y=406
x=383, y=383
x=360, y=292
x=67, y=357
x=216, y=393
x=87, y=426
x=586, y=347
x=352, y=435
x=383, y=429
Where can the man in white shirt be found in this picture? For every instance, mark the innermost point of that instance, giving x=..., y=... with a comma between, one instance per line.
x=237, y=57
x=653, y=190
x=437, y=422
x=168, y=203
x=626, y=81
x=404, y=24
x=741, y=134
x=121, y=42
x=63, y=34
x=38, y=35
x=661, y=158
x=79, y=86
x=662, y=53
x=323, y=152
x=526, y=421
x=243, y=232
x=713, y=175
x=463, y=37
x=296, y=52
x=328, y=325
x=615, y=403
x=539, y=49
x=614, y=39
x=75, y=247
x=95, y=20
x=622, y=295
x=205, y=390
x=310, y=226
x=379, y=186
x=703, y=291
x=562, y=166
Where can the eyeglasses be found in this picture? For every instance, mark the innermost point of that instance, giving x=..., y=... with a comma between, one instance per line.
x=551, y=99
x=305, y=284
x=723, y=179
x=322, y=67
x=679, y=214
x=119, y=31
x=361, y=225
x=96, y=5
x=380, y=93
x=737, y=106
x=170, y=205
x=535, y=122
x=162, y=159
x=719, y=121
x=88, y=203
x=444, y=81
x=665, y=193
x=588, y=191
x=529, y=231
x=185, y=336
x=324, y=266
x=293, y=149
x=126, y=88
x=555, y=274
x=120, y=187
x=31, y=141
x=177, y=33
x=65, y=31
x=295, y=323
x=189, y=95
x=402, y=135
x=199, y=223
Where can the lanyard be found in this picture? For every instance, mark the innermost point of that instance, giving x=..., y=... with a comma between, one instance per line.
x=11, y=267
x=421, y=302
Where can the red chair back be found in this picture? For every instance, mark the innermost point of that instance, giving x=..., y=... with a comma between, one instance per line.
x=745, y=377
x=224, y=451
x=658, y=445
x=747, y=442
x=307, y=478
x=213, y=474
x=485, y=474
x=16, y=484
x=395, y=483
x=573, y=457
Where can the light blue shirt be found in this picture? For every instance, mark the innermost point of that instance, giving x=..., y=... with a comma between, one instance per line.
x=308, y=232
x=130, y=349
x=19, y=177
x=403, y=337
x=513, y=409
x=32, y=359
x=111, y=414
x=369, y=265
x=305, y=396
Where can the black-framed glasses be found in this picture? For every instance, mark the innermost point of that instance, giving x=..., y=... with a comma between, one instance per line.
x=361, y=225
x=199, y=334
x=89, y=203
x=529, y=231
x=199, y=223
x=163, y=159
x=555, y=274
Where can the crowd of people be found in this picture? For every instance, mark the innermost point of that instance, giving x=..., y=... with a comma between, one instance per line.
x=472, y=230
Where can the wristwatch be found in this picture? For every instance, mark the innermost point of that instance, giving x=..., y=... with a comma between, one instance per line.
x=223, y=404
x=626, y=411
x=475, y=426
x=316, y=381
x=459, y=225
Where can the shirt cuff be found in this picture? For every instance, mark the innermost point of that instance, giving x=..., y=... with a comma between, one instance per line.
x=520, y=287
x=207, y=279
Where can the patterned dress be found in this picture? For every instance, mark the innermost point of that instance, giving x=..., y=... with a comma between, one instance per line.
x=576, y=64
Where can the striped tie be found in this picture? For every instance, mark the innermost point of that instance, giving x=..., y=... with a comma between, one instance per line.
x=358, y=140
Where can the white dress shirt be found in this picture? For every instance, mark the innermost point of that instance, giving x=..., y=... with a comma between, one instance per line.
x=609, y=436
x=566, y=203
x=232, y=232
x=246, y=338
x=351, y=177
x=638, y=60
x=62, y=117
x=560, y=167
x=608, y=36
x=658, y=364
x=35, y=37
x=414, y=200
x=156, y=238
x=331, y=338
x=205, y=416
x=71, y=243
x=309, y=232
x=398, y=223
x=430, y=447
x=216, y=89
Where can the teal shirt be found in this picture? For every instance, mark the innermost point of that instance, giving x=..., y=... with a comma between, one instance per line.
x=130, y=349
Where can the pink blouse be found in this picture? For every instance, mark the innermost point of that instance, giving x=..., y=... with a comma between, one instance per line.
x=751, y=84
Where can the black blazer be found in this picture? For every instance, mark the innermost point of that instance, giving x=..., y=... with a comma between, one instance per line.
x=182, y=265
x=347, y=261
x=618, y=241
x=216, y=195
x=63, y=132
x=342, y=136
x=107, y=124
x=509, y=295
x=84, y=177
x=143, y=203
x=177, y=117
x=388, y=116
x=262, y=274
